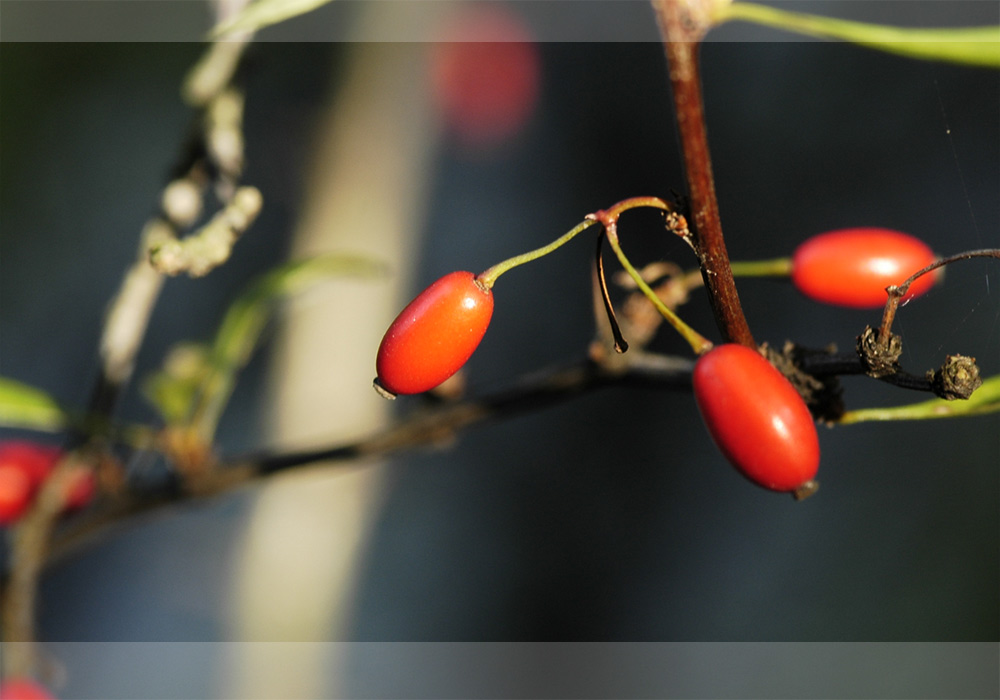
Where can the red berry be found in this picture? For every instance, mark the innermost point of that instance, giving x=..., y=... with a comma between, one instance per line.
x=23, y=689
x=80, y=491
x=852, y=267
x=33, y=459
x=485, y=75
x=756, y=417
x=434, y=335
x=16, y=491
x=32, y=463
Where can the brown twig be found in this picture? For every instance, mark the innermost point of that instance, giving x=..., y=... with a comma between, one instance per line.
x=683, y=24
x=897, y=292
x=424, y=427
x=621, y=345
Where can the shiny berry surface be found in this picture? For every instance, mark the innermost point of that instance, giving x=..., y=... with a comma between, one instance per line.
x=756, y=417
x=434, y=335
x=852, y=267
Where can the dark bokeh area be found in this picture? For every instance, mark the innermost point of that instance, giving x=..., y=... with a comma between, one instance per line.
x=611, y=517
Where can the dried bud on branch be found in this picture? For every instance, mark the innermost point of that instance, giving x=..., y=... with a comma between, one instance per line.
x=957, y=378
x=879, y=358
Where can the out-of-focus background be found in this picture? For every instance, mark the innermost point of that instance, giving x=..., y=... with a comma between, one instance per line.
x=611, y=517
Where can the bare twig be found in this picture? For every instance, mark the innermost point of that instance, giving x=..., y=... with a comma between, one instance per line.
x=683, y=24
x=896, y=293
x=424, y=427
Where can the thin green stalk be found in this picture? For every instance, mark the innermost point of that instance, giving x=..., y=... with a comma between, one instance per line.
x=969, y=45
x=488, y=277
x=698, y=342
x=986, y=399
x=779, y=267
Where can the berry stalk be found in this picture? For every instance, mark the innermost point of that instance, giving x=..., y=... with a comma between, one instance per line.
x=488, y=278
x=699, y=344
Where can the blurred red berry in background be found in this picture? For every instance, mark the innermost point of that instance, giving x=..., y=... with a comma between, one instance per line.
x=485, y=75
x=23, y=689
x=24, y=466
x=16, y=491
x=35, y=460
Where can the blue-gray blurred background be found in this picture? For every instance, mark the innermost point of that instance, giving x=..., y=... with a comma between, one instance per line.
x=611, y=517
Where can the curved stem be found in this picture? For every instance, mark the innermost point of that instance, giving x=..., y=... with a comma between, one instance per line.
x=623, y=206
x=488, y=277
x=896, y=293
x=621, y=345
x=698, y=343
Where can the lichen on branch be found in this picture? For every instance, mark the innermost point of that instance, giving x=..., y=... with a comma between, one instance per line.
x=202, y=252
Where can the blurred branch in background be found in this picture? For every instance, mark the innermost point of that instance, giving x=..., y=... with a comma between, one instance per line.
x=366, y=193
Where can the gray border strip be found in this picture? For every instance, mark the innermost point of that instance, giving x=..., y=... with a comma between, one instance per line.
x=562, y=670
x=550, y=20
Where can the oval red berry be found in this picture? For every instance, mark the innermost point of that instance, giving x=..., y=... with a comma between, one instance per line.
x=756, y=417
x=852, y=267
x=434, y=335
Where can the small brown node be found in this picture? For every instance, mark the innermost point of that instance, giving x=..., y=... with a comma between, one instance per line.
x=806, y=490
x=880, y=359
x=677, y=224
x=957, y=378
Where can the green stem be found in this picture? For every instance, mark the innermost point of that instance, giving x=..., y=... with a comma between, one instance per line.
x=699, y=344
x=968, y=45
x=779, y=267
x=986, y=399
x=488, y=277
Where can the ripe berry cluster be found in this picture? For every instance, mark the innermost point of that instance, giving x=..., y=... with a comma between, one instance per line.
x=24, y=467
x=754, y=414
